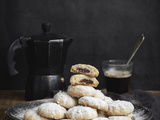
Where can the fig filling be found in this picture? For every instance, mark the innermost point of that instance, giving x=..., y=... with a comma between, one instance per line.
x=86, y=81
x=83, y=70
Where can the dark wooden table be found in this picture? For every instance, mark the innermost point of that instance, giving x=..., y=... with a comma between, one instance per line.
x=9, y=98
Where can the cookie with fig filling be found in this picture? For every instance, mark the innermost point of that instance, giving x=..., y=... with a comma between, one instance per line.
x=101, y=118
x=81, y=113
x=33, y=115
x=120, y=108
x=80, y=91
x=51, y=110
x=119, y=118
x=85, y=69
x=94, y=103
x=65, y=100
x=80, y=79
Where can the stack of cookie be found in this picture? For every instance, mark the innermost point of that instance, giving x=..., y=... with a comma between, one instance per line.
x=83, y=81
x=82, y=87
x=82, y=101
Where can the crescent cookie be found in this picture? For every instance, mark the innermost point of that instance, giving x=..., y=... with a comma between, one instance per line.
x=80, y=91
x=119, y=118
x=80, y=79
x=51, y=110
x=33, y=115
x=101, y=118
x=85, y=69
x=65, y=100
x=120, y=108
x=93, y=102
x=81, y=113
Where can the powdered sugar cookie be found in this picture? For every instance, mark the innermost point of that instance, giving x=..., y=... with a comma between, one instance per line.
x=80, y=91
x=93, y=102
x=119, y=118
x=51, y=110
x=99, y=94
x=130, y=115
x=85, y=69
x=67, y=119
x=120, y=108
x=65, y=100
x=33, y=115
x=81, y=113
x=80, y=79
x=101, y=118
x=108, y=99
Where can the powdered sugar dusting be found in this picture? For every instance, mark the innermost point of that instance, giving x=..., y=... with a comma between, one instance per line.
x=80, y=90
x=119, y=118
x=51, y=109
x=64, y=99
x=81, y=112
x=108, y=99
x=140, y=114
x=120, y=106
x=101, y=118
x=19, y=112
x=93, y=102
x=99, y=94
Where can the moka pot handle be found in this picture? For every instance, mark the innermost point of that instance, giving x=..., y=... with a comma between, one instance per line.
x=18, y=43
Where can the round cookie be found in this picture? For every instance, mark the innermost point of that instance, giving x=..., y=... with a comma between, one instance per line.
x=65, y=100
x=93, y=102
x=80, y=91
x=67, y=119
x=108, y=99
x=85, y=69
x=119, y=118
x=81, y=113
x=51, y=110
x=99, y=94
x=101, y=118
x=120, y=108
x=130, y=115
x=33, y=115
x=80, y=79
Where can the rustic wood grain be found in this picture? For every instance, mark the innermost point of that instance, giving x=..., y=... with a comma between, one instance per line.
x=9, y=98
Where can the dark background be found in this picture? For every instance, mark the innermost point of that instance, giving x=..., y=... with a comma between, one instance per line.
x=102, y=29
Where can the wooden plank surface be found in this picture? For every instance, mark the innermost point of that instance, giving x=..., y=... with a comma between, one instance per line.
x=9, y=98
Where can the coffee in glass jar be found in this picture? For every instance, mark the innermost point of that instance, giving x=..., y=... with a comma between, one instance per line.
x=117, y=75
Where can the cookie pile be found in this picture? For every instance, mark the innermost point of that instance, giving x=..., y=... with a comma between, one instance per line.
x=85, y=75
x=82, y=101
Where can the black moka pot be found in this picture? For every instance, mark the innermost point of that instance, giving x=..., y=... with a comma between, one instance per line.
x=46, y=55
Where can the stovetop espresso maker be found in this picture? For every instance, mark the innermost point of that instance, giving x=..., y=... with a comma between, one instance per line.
x=46, y=56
